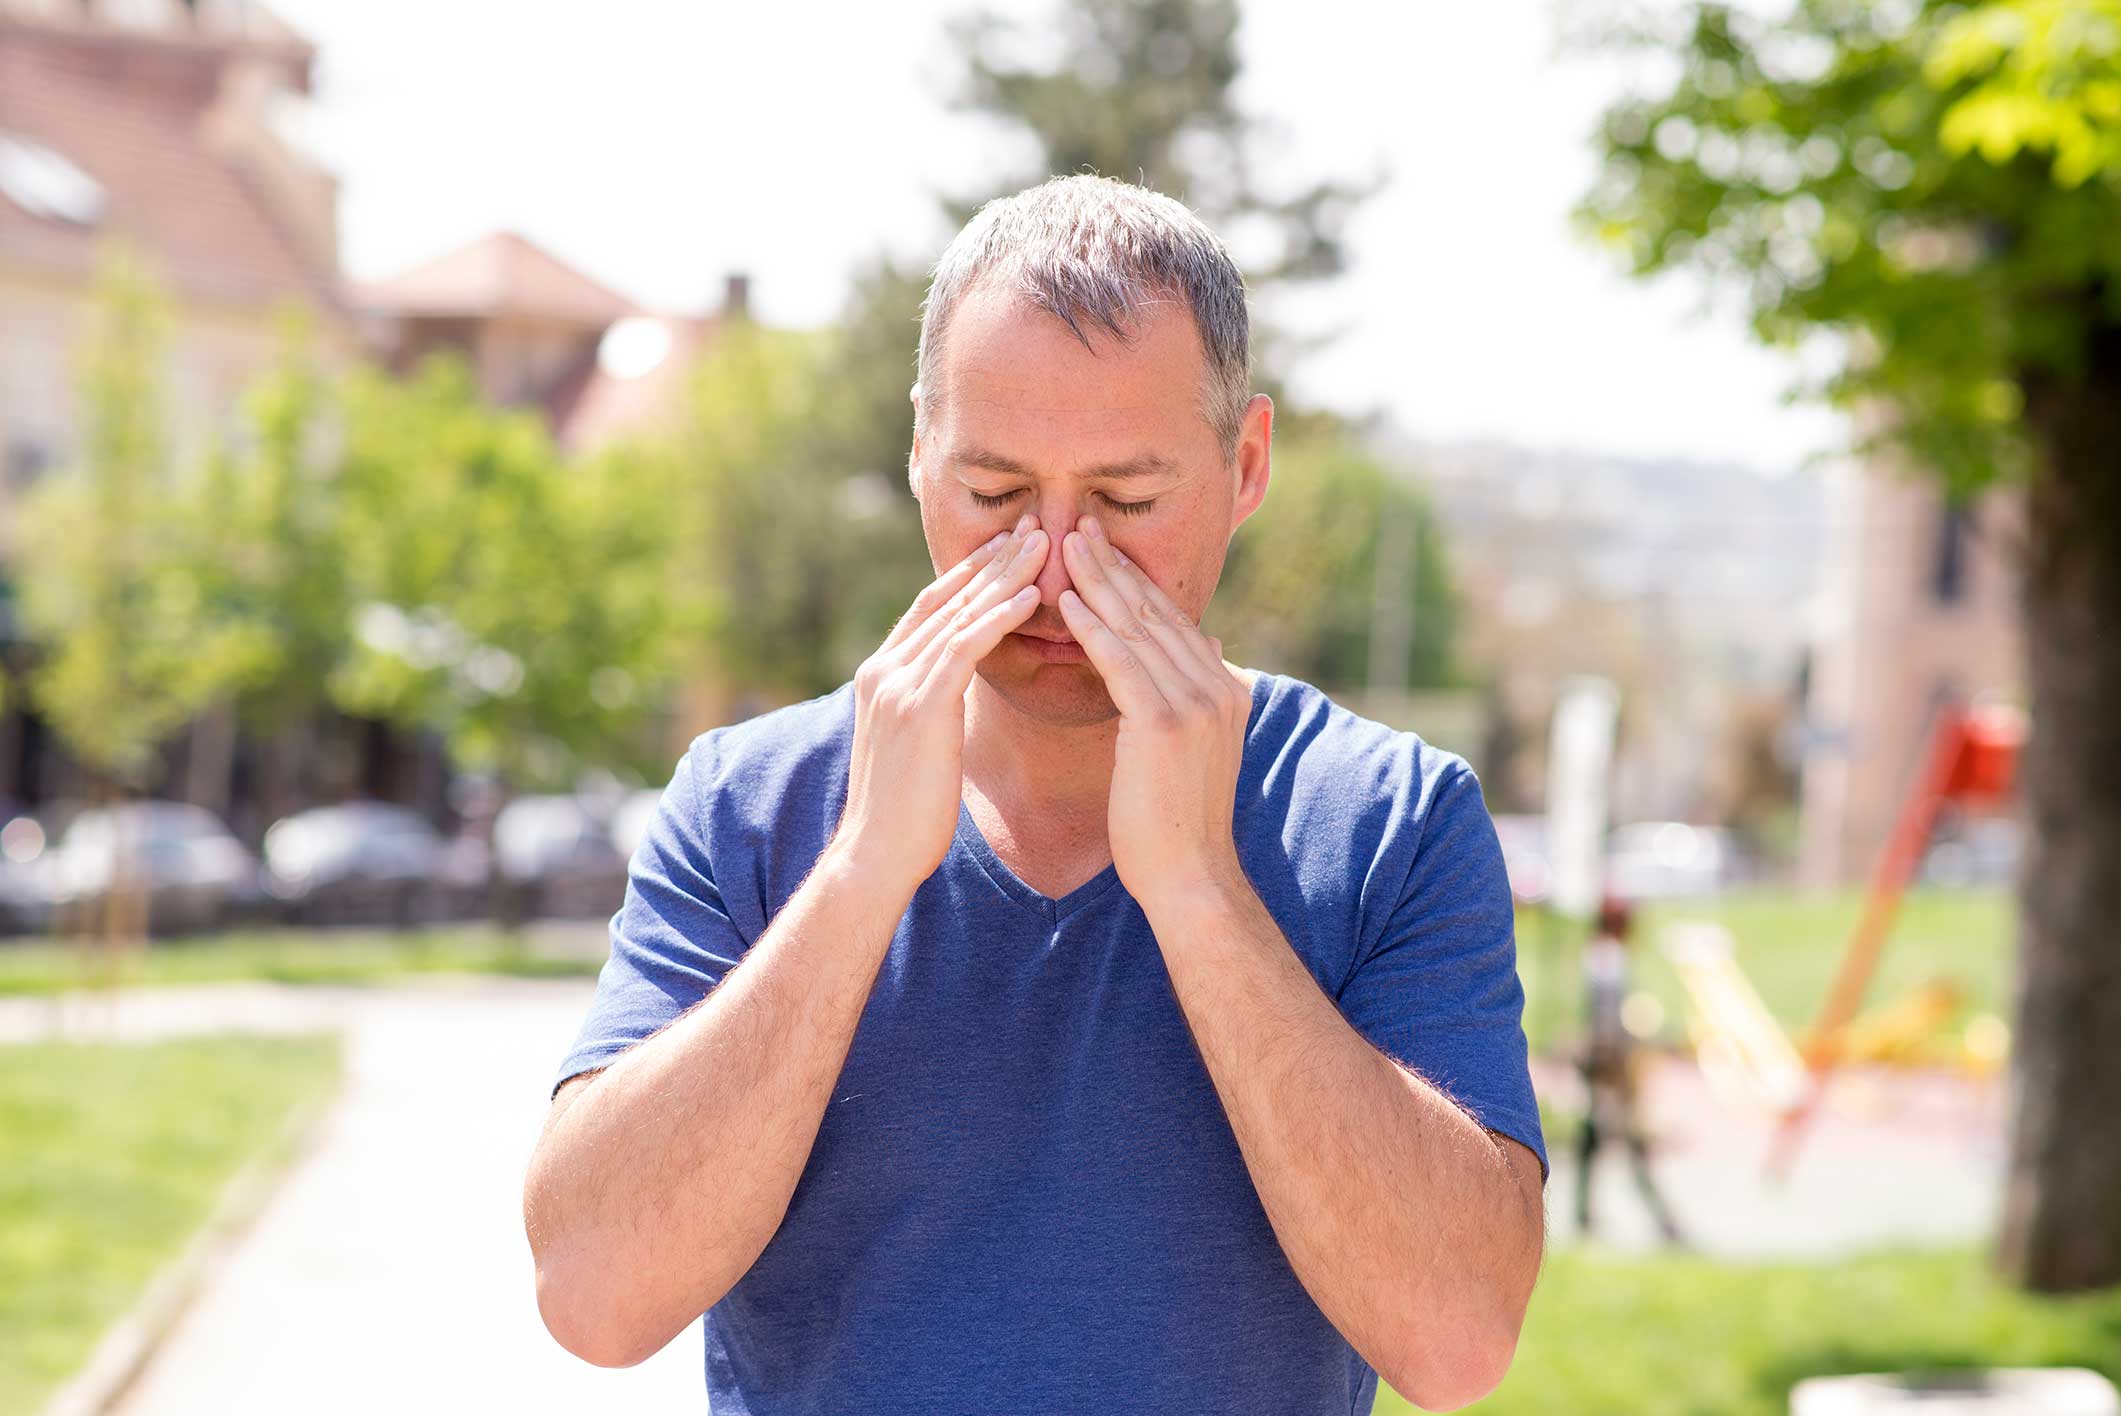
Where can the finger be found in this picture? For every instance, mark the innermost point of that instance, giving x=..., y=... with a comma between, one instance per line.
x=1134, y=690
x=1006, y=563
x=943, y=588
x=1094, y=583
x=1174, y=628
x=962, y=649
x=1008, y=578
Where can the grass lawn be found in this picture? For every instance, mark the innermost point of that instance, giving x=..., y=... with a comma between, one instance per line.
x=294, y=956
x=1789, y=944
x=111, y=1156
x=1662, y=1336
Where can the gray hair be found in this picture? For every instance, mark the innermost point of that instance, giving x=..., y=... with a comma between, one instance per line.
x=1090, y=249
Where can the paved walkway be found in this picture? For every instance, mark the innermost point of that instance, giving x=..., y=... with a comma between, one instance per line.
x=390, y=1270
x=1891, y=1158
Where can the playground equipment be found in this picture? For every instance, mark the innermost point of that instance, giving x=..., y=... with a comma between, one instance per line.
x=1971, y=758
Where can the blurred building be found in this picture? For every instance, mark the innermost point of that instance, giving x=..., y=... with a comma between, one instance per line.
x=158, y=123
x=1922, y=604
x=538, y=333
x=150, y=122
x=1685, y=583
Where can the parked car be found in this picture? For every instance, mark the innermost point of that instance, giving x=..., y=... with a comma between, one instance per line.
x=25, y=898
x=1670, y=860
x=1524, y=857
x=629, y=824
x=197, y=876
x=557, y=852
x=369, y=862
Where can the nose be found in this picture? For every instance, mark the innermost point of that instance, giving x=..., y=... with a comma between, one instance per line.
x=1058, y=511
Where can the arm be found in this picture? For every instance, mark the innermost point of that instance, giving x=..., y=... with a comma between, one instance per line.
x=657, y=1183
x=630, y=1245
x=1417, y=1232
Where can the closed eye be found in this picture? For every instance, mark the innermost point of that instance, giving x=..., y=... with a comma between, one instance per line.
x=1124, y=508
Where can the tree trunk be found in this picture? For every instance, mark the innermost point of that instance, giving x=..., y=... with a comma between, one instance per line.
x=2062, y=1208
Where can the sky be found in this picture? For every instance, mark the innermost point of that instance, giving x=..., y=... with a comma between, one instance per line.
x=659, y=146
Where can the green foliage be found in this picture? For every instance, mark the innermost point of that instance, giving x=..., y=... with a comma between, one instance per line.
x=1790, y=945
x=257, y=537
x=1298, y=593
x=1680, y=1335
x=102, y=581
x=301, y=956
x=111, y=1155
x=501, y=595
x=1144, y=90
x=1937, y=182
x=790, y=545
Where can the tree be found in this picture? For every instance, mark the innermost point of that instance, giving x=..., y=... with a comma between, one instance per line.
x=1300, y=587
x=1939, y=184
x=1144, y=90
x=101, y=588
x=502, y=597
x=258, y=531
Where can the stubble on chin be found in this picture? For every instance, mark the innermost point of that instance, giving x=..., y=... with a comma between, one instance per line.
x=1056, y=695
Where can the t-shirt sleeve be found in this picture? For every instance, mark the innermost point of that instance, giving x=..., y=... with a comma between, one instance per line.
x=672, y=939
x=1438, y=990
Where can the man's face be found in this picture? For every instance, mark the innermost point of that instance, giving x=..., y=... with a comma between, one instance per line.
x=1029, y=420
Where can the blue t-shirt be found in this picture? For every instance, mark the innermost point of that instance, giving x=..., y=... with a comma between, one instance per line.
x=1025, y=1196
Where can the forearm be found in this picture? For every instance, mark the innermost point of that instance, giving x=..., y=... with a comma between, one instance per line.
x=656, y=1190
x=1403, y=1218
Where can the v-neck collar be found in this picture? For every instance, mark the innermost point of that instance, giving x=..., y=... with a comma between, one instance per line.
x=1047, y=907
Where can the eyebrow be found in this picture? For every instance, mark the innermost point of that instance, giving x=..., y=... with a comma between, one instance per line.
x=1144, y=464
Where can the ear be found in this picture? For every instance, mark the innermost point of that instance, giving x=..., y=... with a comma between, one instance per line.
x=1254, y=455
x=913, y=459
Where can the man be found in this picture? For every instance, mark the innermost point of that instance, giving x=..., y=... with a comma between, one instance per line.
x=1021, y=1027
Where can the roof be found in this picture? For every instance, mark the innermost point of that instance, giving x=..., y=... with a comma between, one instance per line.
x=130, y=114
x=498, y=275
x=634, y=378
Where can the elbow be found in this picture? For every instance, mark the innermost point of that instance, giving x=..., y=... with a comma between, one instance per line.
x=1438, y=1386
x=585, y=1322
x=1445, y=1377
x=577, y=1320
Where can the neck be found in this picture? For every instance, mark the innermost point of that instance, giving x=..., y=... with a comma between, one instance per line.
x=1023, y=762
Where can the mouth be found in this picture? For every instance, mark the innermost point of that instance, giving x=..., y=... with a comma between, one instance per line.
x=1053, y=649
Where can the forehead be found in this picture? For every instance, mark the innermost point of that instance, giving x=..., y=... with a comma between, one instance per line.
x=1012, y=369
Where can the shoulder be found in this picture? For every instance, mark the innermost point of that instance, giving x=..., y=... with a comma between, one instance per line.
x=754, y=772
x=1316, y=755
x=1351, y=816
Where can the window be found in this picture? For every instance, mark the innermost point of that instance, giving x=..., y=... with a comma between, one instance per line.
x=27, y=459
x=1948, y=573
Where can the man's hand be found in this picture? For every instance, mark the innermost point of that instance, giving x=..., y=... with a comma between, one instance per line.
x=904, y=779
x=1182, y=718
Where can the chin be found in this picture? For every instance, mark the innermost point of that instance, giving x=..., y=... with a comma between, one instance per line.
x=1060, y=695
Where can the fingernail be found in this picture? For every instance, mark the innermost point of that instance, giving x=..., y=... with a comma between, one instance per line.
x=1090, y=524
x=1025, y=523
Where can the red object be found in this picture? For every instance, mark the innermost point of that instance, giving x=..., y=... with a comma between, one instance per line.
x=1972, y=758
